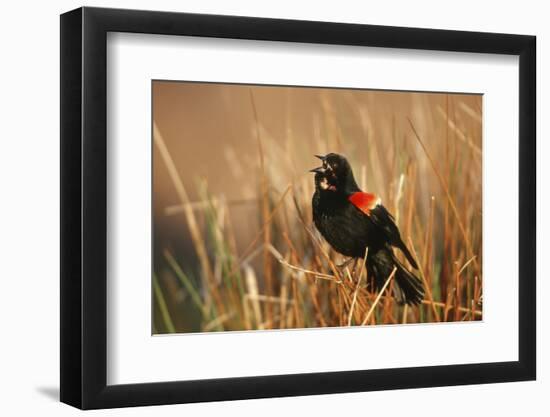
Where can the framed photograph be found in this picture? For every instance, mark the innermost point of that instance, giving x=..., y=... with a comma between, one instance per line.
x=257, y=208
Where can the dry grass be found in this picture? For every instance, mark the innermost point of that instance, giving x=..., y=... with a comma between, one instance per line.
x=286, y=276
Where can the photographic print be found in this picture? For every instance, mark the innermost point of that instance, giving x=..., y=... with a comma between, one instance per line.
x=278, y=207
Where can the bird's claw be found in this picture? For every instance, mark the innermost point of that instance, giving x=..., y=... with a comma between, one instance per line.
x=345, y=263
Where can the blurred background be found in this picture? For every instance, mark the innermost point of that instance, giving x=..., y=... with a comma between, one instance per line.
x=234, y=245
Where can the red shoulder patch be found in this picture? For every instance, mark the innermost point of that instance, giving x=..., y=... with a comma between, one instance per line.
x=364, y=201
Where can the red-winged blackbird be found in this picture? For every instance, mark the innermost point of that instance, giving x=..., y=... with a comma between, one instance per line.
x=352, y=220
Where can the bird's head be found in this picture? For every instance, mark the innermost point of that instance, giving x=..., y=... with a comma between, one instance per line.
x=335, y=174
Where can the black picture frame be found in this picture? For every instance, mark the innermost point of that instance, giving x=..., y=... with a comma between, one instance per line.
x=84, y=207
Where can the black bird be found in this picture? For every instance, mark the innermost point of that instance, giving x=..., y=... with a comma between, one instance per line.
x=352, y=220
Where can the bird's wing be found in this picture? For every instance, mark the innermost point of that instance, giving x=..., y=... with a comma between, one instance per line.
x=371, y=205
x=364, y=201
x=385, y=221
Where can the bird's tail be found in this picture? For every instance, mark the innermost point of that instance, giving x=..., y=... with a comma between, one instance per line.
x=380, y=265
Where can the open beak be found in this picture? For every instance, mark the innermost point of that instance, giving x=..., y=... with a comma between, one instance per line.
x=319, y=170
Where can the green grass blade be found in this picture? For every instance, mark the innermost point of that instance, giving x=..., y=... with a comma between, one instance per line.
x=186, y=282
x=162, y=307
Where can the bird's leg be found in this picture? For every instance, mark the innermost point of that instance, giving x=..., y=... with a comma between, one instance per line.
x=345, y=263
